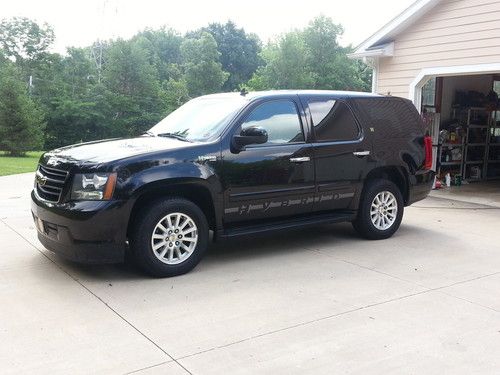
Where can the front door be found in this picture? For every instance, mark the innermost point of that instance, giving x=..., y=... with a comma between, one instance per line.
x=271, y=180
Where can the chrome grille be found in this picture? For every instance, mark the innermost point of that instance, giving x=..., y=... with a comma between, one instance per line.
x=50, y=183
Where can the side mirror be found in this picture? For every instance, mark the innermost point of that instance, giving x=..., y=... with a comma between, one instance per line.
x=250, y=136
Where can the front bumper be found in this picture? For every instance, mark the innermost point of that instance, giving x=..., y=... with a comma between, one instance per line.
x=85, y=232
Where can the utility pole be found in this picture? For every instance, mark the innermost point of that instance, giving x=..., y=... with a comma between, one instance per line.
x=96, y=55
x=109, y=13
x=30, y=85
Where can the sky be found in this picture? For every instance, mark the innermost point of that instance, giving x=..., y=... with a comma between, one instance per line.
x=80, y=22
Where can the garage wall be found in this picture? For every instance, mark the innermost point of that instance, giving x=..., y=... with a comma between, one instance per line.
x=454, y=32
x=481, y=83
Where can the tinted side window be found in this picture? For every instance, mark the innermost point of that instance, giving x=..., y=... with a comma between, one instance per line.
x=280, y=119
x=332, y=121
x=389, y=117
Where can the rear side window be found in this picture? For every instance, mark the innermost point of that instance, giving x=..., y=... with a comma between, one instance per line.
x=389, y=117
x=332, y=120
x=280, y=119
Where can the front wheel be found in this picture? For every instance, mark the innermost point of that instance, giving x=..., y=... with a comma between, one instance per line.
x=381, y=210
x=169, y=237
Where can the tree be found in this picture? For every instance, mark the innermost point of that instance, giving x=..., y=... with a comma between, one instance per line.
x=23, y=38
x=140, y=80
x=134, y=92
x=21, y=121
x=202, y=70
x=311, y=58
x=363, y=75
x=67, y=92
x=25, y=41
x=164, y=49
x=328, y=61
x=285, y=65
x=176, y=94
x=239, y=52
x=323, y=52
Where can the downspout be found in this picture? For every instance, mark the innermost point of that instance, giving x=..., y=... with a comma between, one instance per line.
x=375, y=75
x=372, y=62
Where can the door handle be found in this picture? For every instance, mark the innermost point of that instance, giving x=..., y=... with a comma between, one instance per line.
x=300, y=160
x=361, y=153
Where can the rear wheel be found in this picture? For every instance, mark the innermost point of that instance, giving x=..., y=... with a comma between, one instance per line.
x=169, y=237
x=380, y=211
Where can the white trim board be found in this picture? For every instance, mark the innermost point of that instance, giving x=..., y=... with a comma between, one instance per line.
x=382, y=50
x=446, y=71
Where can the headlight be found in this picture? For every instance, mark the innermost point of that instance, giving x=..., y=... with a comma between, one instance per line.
x=93, y=186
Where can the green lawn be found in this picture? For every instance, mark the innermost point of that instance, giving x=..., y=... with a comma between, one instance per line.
x=13, y=165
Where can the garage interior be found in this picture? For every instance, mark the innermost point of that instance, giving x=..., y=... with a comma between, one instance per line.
x=462, y=114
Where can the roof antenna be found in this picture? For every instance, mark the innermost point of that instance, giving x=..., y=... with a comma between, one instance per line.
x=243, y=91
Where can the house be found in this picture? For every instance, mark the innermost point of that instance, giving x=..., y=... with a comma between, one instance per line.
x=444, y=55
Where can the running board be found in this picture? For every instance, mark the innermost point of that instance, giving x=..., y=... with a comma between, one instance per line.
x=305, y=221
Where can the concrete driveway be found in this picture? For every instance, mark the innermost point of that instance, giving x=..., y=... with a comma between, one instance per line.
x=318, y=301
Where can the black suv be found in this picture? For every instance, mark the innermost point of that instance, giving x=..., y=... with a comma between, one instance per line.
x=235, y=164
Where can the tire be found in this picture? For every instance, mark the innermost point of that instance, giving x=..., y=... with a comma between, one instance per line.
x=385, y=221
x=176, y=253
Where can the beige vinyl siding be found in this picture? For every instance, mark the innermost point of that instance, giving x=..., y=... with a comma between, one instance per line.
x=454, y=32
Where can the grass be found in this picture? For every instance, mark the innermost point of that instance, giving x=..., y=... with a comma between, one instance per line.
x=16, y=164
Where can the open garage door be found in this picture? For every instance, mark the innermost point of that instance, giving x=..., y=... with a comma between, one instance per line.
x=462, y=110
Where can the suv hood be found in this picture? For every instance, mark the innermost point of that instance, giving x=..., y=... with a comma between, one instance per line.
x=109, y=150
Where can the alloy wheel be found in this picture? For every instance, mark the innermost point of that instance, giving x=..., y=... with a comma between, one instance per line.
x=384, y=210
x=174, y=238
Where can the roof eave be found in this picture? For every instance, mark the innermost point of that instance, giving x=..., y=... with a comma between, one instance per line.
x=396, y=25
x=386, y=50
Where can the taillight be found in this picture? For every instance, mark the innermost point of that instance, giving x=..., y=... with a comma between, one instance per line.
x=428, y=152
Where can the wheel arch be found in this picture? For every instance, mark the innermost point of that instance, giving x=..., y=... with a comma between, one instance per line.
x=195, y=190
x=395, y=174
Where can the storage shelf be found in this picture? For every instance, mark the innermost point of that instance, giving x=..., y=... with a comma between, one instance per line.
x=480, y=132
x=454, y=144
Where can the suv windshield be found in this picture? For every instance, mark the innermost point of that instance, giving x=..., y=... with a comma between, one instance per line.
x=200, y=119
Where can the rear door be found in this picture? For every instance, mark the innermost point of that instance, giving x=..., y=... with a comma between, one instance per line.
x=341, y=154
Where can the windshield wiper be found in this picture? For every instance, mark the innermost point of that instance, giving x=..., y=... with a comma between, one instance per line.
x=174, y=135
x=150, y=133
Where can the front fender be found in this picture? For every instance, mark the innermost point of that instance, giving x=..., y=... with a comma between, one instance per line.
x=151, y=179
x=187, y=172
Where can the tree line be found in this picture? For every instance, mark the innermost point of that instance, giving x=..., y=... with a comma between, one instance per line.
x=120, y=88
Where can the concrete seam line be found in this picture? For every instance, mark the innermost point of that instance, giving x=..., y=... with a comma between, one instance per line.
x=318, y=251
x=97, y=297
x=149, y=367
x=305, y=323
x=387, y=274
x=457, y=199
x=437, y=289
x=466, y=300
x=467, y=281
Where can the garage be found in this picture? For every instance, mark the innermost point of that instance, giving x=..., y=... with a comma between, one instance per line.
x=463, y=116
x=444, y=55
